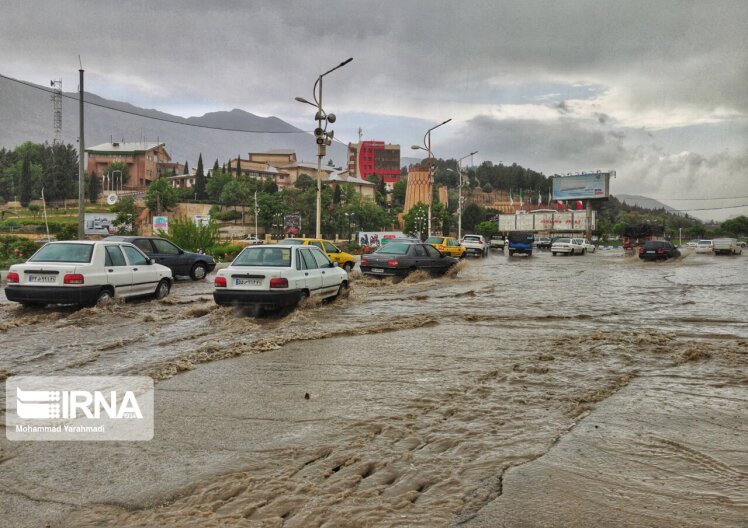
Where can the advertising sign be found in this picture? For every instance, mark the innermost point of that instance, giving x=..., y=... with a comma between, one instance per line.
x=201, y=220
x=99, y=224
x=292, y=224
x=160, y=223
x=377, y=238
x=558, y=222
x=581, y=186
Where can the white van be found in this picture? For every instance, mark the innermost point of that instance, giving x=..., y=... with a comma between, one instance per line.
x=726, y=246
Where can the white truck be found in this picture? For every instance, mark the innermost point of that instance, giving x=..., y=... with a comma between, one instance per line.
x=726, y=246
x=474, y=245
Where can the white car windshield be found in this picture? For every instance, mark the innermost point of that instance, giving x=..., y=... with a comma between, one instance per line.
x=705, y=242
x=276, y=257
x=62, y=252
x=563, y=241
x=472, y=238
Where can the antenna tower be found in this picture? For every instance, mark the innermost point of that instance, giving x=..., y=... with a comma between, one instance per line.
x=57, y=108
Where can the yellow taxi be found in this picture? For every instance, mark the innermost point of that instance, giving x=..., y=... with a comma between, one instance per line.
x=447, y=245
x=333, y=252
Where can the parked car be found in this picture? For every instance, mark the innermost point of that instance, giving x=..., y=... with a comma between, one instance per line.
x=705, y=246
x=86, y=273
x=658, y=250
x=692, y=243
x=521, y=242
x=400, y=259
x=588, y=246
x=543, y=243
x=569, y=246
x=269, y=277
x=250, y=240
x=166, y=253
x=333, y=252
x=727, y=246
x=474, y=245
x=447, y=245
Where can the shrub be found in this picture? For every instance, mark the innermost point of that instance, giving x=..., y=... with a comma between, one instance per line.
x=224, y=252
x=227, y=216
x=184, y=233
x=15, y=249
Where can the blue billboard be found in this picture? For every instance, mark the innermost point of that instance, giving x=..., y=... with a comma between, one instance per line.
x=582, y=186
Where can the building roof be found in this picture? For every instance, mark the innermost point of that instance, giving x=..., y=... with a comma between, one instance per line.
x=345, y=177
x=135, y=147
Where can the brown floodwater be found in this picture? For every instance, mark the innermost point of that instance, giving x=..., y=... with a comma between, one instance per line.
x=543, y=391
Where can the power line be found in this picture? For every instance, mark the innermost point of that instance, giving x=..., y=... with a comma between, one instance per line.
x=701, y=199
x=195, y=125
x=710, y=208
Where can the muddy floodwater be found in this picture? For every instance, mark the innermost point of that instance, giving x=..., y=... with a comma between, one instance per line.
x=594, y=390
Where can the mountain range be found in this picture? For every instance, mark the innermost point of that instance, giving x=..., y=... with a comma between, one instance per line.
x=644, y=202
x=26, y=114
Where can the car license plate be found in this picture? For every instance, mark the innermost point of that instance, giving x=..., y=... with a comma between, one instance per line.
x=248, y=282
x=650, y=251
x=377, y=270
x=42, y=278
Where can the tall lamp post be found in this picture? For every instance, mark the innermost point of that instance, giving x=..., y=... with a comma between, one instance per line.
x=459, y=199
x=427, y=147
x=323, y=138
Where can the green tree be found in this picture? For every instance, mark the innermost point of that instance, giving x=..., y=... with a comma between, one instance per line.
x=191, y=237
x=127, y=213
x=186, y=168
x=34, y=209
x=24, y=192
x=200, y=180
x=337, y=195
x=215, y=185
x=94, y=187
x=304, y=182
x=269, y=186
x=487, y=229
x=416, y=220
x=472, y=215
x=398, y=192
x=160, y=196
x=215, y=167
x=233, y=193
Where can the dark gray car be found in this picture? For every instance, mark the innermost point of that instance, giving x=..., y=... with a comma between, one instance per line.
x=168, y=254
x=402, y=258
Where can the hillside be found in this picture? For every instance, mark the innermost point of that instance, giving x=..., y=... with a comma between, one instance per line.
x=645, y=203
x=26, y=114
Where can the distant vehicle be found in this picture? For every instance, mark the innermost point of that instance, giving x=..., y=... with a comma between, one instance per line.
x=269, y=277
x=251, y=240
x=166, y=253
x=497, y=242
x=86, y=273
x=705, y=246
x=543, y=243
x=692, y=243
x=658, y=250
x=636, y=235
x=333, y=252
x=520, y=242
x=447, y=245
x=474, y=245
x=401, y=259
x=727, y=246
x=568, y=246
x=588, y=246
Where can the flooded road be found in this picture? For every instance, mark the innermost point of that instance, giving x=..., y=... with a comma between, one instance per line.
x=519, y=392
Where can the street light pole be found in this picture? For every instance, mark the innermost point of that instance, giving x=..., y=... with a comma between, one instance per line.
x=459, y=199
x=427, y=147
x=322, y=137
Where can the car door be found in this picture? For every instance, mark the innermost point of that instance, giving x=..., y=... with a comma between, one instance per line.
x=436, y=260
x=421, y=259
x=312, y=273
x=169, y=255
x=330, y=279
x=332, y=251
x=118, y=272
x=144, y=276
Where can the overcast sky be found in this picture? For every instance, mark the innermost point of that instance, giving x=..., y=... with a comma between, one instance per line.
x=657, y=91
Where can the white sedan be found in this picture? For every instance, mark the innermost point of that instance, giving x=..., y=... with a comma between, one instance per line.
x=568, y=246
x=588, y=246
x=86, y=273
x=273, y=276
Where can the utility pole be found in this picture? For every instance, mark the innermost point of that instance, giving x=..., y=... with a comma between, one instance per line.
x=257, y=210
x=81, y=170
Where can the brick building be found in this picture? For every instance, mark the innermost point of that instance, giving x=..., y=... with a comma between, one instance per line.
x=144, y=161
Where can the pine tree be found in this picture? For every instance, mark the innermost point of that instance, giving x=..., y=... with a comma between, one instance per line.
x=215, y=166
x=94, y=187
x=186, y=168
x=24, y=191
x=200, y=180
x=238, y=166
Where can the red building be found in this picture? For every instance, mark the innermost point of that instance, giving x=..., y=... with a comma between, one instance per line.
x=374, y=158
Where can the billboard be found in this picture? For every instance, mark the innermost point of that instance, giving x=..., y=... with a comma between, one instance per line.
x=99, y=224
x=548, y=222
x=292, y=224
x=160, y=223
x=377, y=238
x=582, y=186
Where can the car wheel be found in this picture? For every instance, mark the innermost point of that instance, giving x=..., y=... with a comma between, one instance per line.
x=342, y=289
x=553, y=253
x=105, y=295
x=162, y=290
x=198, y=271
x=348, y=266
x=584, y=251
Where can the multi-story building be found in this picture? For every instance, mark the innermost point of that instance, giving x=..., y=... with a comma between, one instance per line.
x=375, y=158
x=144, y=161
